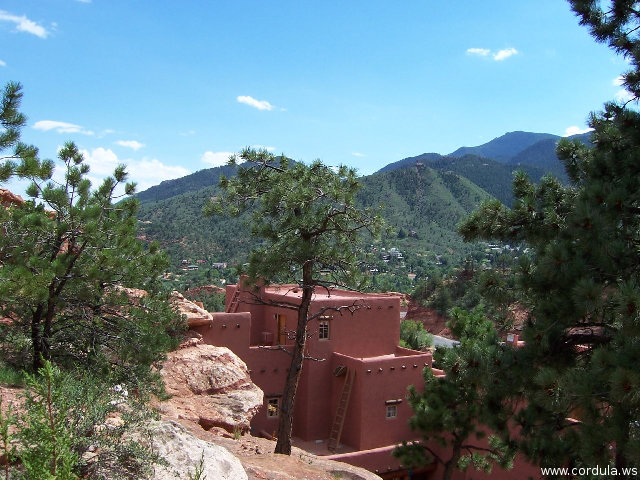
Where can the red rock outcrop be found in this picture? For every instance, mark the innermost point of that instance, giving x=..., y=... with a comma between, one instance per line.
x=210, y=386
x=8, y=198
x=195, y=314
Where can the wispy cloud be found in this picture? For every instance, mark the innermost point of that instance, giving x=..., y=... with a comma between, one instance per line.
x=23, y=24
x=145, y=172
x=504, y=54
x=187, y=134
x=252, y=102
x=498, y=56
x=575, y=130
x=216, y=159
x=481, y=52
x=358, y=154
x=105, y=132
x=263, y=147
x=623, y=95
x=61, y=127
x=134, y=145
x=3, y=64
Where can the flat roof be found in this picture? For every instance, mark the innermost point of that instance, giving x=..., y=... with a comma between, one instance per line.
x=294, y=290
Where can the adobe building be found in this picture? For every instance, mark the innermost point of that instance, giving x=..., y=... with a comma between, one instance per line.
x=351, y=399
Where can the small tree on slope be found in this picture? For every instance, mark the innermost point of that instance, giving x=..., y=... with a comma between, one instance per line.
x=452, y=410
x=64, y=255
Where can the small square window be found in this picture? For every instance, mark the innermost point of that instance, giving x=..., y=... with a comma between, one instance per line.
x=273, y=407
x=392, y=411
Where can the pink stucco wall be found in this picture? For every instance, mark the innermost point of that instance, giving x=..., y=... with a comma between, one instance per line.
x=365, y=340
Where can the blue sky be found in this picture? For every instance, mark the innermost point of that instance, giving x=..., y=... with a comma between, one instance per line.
x=171, y=87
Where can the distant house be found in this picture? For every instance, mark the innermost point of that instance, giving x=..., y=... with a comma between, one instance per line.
x=219, y=266
x=201, y=262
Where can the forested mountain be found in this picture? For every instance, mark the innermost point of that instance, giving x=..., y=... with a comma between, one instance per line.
x=426, y=203
x=189, y=183
x=493, y=177
x=411, y=161
x=505, y=147
x=420, y=200
x=425, y=197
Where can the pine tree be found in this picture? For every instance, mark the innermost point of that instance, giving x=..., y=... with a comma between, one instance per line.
x=453, y=410
x=578, y=370
x=11, y=121
x=308, y=221
x=66, y=255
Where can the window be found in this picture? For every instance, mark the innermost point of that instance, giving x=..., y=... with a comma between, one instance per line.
x=273, y=407
x=323, y=328
x=392, y=411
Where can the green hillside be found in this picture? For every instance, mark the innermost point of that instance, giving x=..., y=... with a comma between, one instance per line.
x=425, y=201
x=419, y=199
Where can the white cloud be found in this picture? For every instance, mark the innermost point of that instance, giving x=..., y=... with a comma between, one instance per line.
x=263, y=147
x=252, y=102
x=130, y=144
x=146, y=172
x=358, y=154
x=623, y=95
x=216, y=159
x=3, y=64
x=23, y=24
x=482, y=52
x=61, y=127
x=574, y=130
x=504, y=54
x=497, y=56
x=186, y=134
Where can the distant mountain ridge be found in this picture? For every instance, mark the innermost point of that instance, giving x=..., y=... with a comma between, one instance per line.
x=535, y=153
x=426, y=195
x=189, y=183
x=505, y=147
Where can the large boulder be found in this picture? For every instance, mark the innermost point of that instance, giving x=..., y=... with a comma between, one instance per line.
x=194, y=314
x=186, y=454
x=211, y=386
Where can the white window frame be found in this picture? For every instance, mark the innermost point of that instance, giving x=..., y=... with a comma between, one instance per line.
x=324, y=328
x=392, y=411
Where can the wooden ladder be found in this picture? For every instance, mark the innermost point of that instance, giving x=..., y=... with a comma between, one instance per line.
x=233, y=306
x=341, y=411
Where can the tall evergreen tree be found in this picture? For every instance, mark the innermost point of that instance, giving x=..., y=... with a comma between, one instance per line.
x=309, y=224
x=578, y=370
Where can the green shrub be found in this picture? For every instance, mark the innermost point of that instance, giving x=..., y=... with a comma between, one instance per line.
x=414, y=336
x=75, y=426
